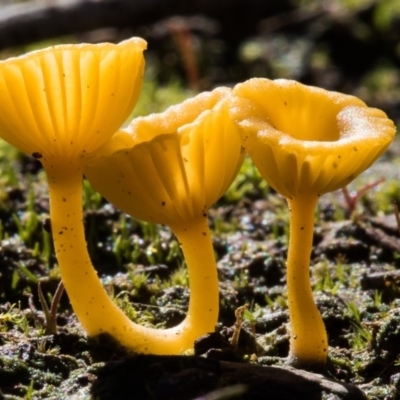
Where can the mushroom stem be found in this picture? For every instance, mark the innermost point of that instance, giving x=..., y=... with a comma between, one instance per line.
x=196, y=243
x=308, y=338
x=92, y=306
x=95, y=310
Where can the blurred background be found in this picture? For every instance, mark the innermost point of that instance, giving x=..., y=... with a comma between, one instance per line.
x=352, y=46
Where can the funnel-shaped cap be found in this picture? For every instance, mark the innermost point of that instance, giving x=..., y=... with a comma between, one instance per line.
x=308, y=140
x=171, y=167
x=68, y=100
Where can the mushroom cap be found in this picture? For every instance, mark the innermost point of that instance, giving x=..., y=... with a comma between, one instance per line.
x=171, y=167
x=67, y=100
x=305, y=139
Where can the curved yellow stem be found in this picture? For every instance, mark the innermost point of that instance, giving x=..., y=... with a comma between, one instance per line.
x=94, y=309
x=196, y=243
x=308, y=338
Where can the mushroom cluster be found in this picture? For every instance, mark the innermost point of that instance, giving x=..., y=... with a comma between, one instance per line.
x=65, y=106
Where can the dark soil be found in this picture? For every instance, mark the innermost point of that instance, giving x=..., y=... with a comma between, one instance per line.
x=354, y=274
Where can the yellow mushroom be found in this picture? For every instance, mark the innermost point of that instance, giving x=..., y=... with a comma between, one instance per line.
x=60, y=104
x=307, y=141
x=169, y=168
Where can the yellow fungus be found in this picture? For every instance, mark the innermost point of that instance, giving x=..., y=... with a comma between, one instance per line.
x=169, y=168
x=307, y=141
x=59, y=105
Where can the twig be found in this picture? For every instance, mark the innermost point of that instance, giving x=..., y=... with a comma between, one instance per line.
x=225, y=393
x=238, y=325
x=184, y=42
x=351, y=200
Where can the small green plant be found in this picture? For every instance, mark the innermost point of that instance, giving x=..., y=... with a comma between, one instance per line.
x=377, y=298
x=50, y=314
x=179, y=277
x=91, y=199
x=241, y=280
x=46, y=247
x=342, y=271
x=138, y=280
x=361, y=337
x=30, y=391
x=251, y=314
x=174, y=252
x=397, y=362
x=123, y=248
x=247, y=183
x=44, y=348
x=28, y=224
x=21, y=266
x=142, y=317
x=220, y=226
x=325, y=281
x=14, y=317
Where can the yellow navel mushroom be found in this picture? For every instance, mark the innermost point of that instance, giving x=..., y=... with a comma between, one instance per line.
x=169, y=168
x=60, y=104
x=307, y=141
